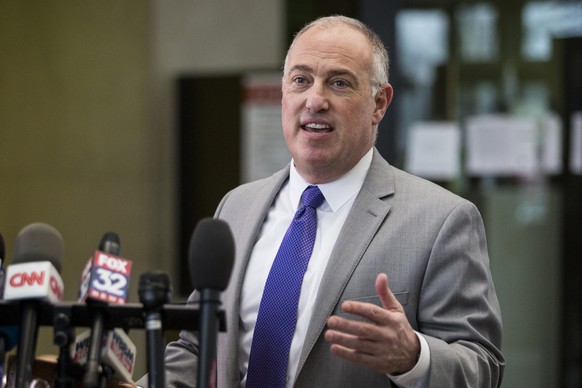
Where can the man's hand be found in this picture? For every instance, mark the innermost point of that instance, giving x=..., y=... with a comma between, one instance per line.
x=385, y=342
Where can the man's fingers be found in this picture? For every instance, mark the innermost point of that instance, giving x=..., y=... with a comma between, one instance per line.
x=353, y=355
x=386, y=295
x=356, y=337
x=369, y=311
x=351, y=327
x=373, y=313
x=384, y=341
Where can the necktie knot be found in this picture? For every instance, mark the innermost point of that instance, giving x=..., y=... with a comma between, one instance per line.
x=312, y=197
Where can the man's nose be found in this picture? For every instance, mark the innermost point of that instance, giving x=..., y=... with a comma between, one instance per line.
x=317, y=98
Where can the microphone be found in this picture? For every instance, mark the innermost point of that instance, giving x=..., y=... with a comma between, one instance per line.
x=33, y=277
x=154, y=291
x=105, y=279
x=211, y=257
x=106, y=276
x=116, y=351
x=8, y=334
x=2, y=255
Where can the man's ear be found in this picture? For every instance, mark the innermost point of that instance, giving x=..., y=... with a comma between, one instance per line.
x=383, y=99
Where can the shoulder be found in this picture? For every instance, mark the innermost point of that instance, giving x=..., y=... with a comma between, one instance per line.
x=409, y=184
x=249, y=191
x=410, y=195
x=257, y=193
x=400, y=187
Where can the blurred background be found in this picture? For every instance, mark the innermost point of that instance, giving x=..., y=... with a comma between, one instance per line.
x=137, y=116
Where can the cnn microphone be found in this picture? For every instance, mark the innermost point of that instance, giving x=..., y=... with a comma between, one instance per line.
x=33, y=277
x=211, y=257
x=105, y=279
x=116, y=352
x=154, y=291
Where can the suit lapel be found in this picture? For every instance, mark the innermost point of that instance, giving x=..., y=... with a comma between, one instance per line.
x=367, y=214
x=259, y=203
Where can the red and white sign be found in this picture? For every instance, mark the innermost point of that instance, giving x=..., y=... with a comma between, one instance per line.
x=117, y=351
x=263, y=146
x=34, y=280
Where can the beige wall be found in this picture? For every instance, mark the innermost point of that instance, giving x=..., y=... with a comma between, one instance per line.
x=76, y=146
x=87, y=117
x=202, y=38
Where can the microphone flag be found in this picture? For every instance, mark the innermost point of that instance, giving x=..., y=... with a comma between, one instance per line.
x=106, y=278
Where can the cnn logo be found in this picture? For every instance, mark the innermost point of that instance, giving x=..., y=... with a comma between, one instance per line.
x=33, y=280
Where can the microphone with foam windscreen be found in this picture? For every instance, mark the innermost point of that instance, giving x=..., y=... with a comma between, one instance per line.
x=104, y=280
x=154, y=291
x=211, y=257
x=33, y=277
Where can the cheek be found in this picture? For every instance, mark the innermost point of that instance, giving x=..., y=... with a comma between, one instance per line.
x=359, y=124
x=365, y=113
x=356, y=115
x=286, y=112
x=291, y=102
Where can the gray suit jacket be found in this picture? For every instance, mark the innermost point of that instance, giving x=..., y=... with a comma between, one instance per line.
x=431, y=244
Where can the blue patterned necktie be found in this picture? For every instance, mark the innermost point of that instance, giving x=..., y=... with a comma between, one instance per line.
x=278, y=309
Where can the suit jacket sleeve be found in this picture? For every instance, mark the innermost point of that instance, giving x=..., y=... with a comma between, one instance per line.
x=458, y=312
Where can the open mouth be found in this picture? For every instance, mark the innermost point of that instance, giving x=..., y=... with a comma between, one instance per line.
x=317, y=128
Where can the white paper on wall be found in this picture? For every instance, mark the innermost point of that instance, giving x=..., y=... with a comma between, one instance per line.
x=263, y=147
x=433, y=150
x=576, y=143
x=551, y=145
x=501, y=145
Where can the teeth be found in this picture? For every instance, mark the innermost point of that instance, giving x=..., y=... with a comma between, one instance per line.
x=317, y=126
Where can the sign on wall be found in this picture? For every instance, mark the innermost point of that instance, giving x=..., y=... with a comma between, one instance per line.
x=263, y=147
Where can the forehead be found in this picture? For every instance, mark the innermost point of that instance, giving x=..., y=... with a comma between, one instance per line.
x=339, y=46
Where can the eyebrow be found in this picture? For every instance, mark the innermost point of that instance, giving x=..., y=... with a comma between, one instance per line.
x=331, y=73
x=301, y=68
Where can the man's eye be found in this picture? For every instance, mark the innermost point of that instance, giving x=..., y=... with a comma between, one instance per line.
x=339, y=83
x=299, y=80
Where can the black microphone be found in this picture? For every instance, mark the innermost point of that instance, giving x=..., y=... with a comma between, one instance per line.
x=211, y=258
x=33, y=277
x=105, y=279
x=8, y=334
x=154, y=291
x=2, y=255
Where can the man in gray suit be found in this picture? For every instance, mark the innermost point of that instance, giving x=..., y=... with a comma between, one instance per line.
x=398, y=290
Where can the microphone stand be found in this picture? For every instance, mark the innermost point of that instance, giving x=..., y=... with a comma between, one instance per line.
x=105, y=376
x=92, y=371
x=2, y=357
x=27, y=344
x=63, y=317
x=155, y=346
x=154, y=291
x=63, y=337
x=207, y=333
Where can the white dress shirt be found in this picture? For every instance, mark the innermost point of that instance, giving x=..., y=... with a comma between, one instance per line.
x=331, y=215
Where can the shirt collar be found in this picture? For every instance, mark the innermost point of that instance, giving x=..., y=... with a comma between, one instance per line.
x=336, y=193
